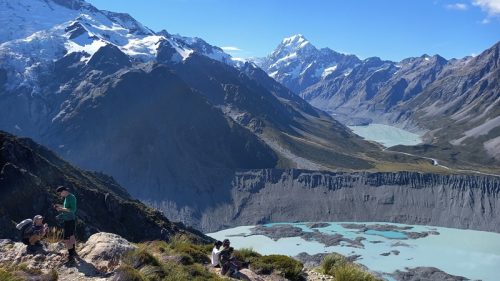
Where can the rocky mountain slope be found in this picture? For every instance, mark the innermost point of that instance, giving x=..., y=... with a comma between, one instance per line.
x=29, y=175
x=261, y=196
x=153, y=109
x=453, y=101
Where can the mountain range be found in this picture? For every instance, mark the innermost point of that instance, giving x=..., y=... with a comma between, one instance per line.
x=173, y=118
x=168, y=116
x=453, y=103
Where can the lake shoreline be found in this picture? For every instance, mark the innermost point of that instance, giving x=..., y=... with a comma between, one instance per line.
x=386, y=135
x=380, y=247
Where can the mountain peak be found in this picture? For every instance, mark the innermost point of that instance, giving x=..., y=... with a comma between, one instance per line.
x=297, y=38
x=296, y=41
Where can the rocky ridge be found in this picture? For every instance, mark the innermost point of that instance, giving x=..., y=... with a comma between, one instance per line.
x=29, y=175
x=262, y=196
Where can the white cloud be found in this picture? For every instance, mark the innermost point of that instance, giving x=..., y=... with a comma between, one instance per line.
x=230, y=49
x=457, y=6
x=492, y=7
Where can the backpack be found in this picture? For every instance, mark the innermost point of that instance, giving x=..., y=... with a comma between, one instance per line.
x=23, y=227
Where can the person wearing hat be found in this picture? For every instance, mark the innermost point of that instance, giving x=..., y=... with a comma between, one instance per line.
x=68, y=216
x=35, y=232
x=228, y=264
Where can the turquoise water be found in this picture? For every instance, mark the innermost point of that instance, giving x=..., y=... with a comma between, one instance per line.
x=386, y=135
x=468, y=253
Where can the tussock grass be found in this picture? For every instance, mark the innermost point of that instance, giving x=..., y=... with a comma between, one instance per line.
x=280, y=264
x=283, y=265
x=246, y=254
x=21, y=272
x=179, y=259
x=337, y=266
x=6, y=275
x=127, y=272
x=54, y=235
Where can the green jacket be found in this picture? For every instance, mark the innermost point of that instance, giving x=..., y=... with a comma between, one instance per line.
x=70, y=204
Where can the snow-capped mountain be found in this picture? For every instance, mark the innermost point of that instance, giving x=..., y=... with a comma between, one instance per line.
x=170, y=117
x=36, y=33
x=297, y=64
x=424, y=94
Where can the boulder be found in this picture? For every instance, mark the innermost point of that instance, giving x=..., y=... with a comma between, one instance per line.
x=105, y=250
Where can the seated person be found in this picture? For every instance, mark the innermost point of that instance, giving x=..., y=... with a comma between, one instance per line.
x=229, y=265
x=215, y=257
x=35, y=232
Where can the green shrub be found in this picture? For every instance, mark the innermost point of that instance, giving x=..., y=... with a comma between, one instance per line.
x=206, y=248
x=197, y=272
x=337, y=266
x=246, y=255
x=51, y=276
x=31, y=271
x=196, y=252
x=185, y=259
x=351, y=272
x=126, y=272
x=8, y=276
x=330, y=262
x=141, y=257
x=159, y=245
x=152, y=272
x=283, y=265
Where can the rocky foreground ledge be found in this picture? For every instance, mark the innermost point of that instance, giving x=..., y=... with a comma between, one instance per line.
x=98, y=259
x=106, y=256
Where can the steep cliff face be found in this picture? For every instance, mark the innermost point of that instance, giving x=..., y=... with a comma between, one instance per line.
x=260, y=196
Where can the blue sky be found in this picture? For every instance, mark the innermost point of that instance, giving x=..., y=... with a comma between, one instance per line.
x=390, y=29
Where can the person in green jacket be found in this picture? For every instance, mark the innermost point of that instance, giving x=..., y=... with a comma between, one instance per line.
x=68, y=216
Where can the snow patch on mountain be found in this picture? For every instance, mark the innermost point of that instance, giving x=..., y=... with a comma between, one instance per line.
x=22, y=18
x=329, y=70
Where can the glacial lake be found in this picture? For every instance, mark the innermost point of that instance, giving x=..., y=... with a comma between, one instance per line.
x=468, y=253
x=386, y=135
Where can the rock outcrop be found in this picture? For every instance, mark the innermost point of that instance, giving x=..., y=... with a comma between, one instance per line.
x=425, y=273
x=105, y=250
x=98, y=258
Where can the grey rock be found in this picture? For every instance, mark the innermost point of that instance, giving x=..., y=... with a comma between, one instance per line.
x=318, y=225
x=262, y=196
x=310, y=261
x=276, y=232
x=425, y=274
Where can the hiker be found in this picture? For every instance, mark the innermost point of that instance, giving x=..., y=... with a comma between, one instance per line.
x=32, y=232
x=229, y=266
x=215, y=258
x=68, y=216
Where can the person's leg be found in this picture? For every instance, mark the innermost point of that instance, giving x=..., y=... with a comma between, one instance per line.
x=34, y=239
x=72, y=240
x=69, y=231
x=224, y=268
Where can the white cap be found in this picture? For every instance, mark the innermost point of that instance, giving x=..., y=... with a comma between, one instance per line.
x=38, y=217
